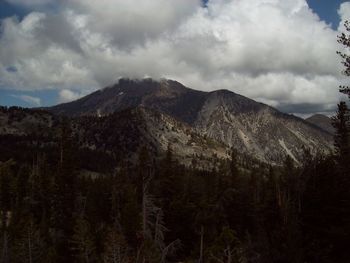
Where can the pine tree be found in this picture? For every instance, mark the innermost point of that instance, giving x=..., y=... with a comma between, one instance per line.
x=83, y=241
x=30, y=245
x=115, y=247
x=226, y=248
x=6, y=177
x=344, y=39
x=4, y=245
x=342, y=136
x=342, y=120
x=234, y=172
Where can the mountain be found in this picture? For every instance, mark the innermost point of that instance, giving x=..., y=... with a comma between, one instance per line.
x=258, y=129
x=248, y=126
x=121, y=134
x=24, y=122
x=321, y=121
x=167, y=96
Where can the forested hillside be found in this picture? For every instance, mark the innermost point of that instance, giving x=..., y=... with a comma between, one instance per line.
x=61, y=203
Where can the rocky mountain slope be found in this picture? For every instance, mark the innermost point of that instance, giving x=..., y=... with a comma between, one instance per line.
x=321, y=121
x=124, y=133
x=24, y=122
x=121, y=134
x=250, y=127
x=260, y=130
x=167, y=96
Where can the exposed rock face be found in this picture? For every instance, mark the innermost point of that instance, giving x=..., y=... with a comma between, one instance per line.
x=258, y=129
x=123, y=133
x=251, y=127
x=321, y=121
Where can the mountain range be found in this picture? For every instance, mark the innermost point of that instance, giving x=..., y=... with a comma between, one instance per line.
x=168, y=113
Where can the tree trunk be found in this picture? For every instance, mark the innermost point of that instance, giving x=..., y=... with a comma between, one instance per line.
x=30, y=247
x=229, y=255
x=201, y=246
x=4, y=256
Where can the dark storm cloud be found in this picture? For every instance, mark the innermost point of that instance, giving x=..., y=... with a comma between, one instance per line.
x=306, y=107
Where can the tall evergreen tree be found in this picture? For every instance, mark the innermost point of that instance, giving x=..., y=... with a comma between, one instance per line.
x=83, y=241
x=29, y=246
x=115, y=246
x=341, y=123
x=344, y=39
x=234, y=172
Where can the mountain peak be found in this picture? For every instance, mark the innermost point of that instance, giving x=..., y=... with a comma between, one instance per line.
x=237, y=121
x=321, y=121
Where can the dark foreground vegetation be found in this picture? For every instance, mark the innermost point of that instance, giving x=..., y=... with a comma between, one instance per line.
x=53, y=210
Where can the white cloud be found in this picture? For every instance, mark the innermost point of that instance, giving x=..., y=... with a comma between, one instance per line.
x=41, y=63
x=33, y=101
x=131, y=23
x=66, y=95
x=276, y=51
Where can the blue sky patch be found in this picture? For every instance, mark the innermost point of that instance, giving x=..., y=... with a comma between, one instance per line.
x=7, y=10
x=18, y=98
x=327, y=10
x=11, y=69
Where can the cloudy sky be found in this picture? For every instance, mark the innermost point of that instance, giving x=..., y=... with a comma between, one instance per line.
x=280, y=52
